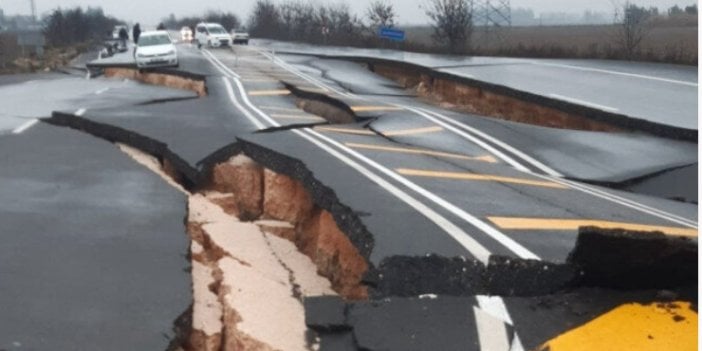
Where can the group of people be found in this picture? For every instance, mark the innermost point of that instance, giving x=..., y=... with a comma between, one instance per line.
x=136, y=32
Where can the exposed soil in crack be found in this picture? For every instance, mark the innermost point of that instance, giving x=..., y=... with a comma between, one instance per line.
x=170, y=79
x=464, y=97
x=250, y=279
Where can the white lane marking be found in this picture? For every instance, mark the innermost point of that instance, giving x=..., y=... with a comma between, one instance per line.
x=495, y=306
x=583, y=102
x=631, y=75
x=214, y=60
x=499, y=154
x=534, y=162
x=101, y=91
x=305, y=76
x=516, y=343
x=25, y=126
x=473, y=247
x=492, y=232
x=80, y=112
x=236, y=104
x=492, y=332
x=557, y=177
x=623, y=201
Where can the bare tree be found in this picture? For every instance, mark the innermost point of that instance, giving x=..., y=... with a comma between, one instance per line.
x=381, y=14
x=264, y=20
x=453, y=23
x=633, y=24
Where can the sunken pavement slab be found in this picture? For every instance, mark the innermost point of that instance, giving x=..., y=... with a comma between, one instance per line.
x=94, y=246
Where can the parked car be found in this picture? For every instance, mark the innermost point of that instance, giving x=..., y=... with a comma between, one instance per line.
x=156, y=49
x=186, y=34
x=240, y=36
x=212, y=35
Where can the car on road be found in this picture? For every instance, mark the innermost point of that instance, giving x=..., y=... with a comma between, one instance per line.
x=156, y=49
x=186, y=34
x=212, y=35
x=240, y=36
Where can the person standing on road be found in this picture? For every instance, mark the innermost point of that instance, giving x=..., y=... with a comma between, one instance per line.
x=123, y=37
x=136, y=32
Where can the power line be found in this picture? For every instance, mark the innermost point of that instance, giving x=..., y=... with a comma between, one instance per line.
x=492, y=13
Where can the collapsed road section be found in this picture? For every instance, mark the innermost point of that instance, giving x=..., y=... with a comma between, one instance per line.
x=240, y=189
x=297, y=245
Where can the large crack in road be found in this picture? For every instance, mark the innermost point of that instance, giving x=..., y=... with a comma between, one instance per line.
x=273, y=248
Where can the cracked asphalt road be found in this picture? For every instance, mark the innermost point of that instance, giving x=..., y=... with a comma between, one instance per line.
x=78, y=214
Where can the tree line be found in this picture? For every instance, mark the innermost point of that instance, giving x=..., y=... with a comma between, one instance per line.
x=227, y=19
x=64, y=27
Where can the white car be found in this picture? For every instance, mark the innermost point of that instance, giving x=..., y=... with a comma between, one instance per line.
x=212, y=35
x=240, y=37
x=156, y=49
x=186, y=34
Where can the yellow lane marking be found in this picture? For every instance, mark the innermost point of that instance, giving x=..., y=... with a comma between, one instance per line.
x=486, y=158
x=313, y=89
x=345, y=130
x=269, y=92
x=482, y=177
x=276, y=108
x=573, y=224
x=413, y=131
x=309, y=117
x=654, y=327
x=375, y=108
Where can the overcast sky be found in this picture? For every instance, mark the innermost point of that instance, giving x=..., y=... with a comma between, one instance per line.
x=409, y=11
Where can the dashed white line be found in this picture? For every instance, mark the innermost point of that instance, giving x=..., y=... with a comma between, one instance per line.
x=25, y=126
x=495, y=306
x=101, y=91
x=583, y=102
x=492, y=332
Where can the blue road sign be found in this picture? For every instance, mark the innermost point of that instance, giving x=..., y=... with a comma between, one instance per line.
x=392, y=34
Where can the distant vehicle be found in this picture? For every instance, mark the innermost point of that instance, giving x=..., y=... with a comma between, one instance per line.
x=116, y=29
x=240, y=36
x=212, y=35
x=186, y=34
x=156, y=49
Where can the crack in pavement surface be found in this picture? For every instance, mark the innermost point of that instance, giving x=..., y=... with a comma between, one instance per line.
x=408, y=285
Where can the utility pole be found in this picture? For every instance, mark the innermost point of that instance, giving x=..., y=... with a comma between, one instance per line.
x=491, y=16
x=34, y=11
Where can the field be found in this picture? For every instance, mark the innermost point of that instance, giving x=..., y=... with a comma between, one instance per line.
x=666, y=41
